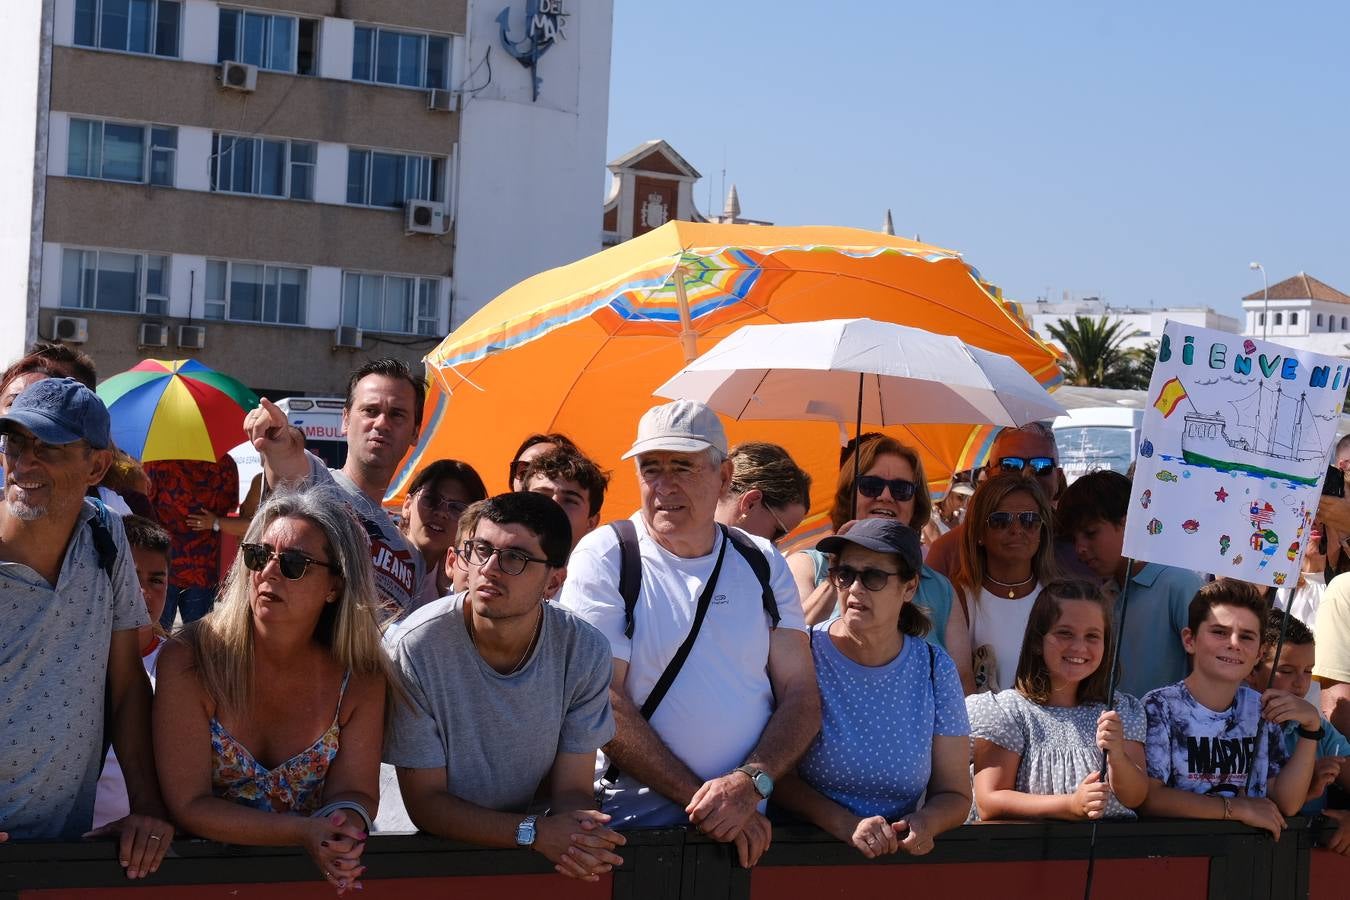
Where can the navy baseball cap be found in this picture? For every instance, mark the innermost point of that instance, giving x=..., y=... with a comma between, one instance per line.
x=881, y=535
x=60, y=411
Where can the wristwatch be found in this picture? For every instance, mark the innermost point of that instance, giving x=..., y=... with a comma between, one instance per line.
x=1312, y=735
x=525, y=832
x=215, y=523
x=760, y=779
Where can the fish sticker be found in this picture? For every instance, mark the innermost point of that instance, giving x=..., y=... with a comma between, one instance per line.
x=1154, y=526
x=1190, y=526
x=1165, y=475
x=1146, y=499
x=1224, y=543
x=1146, y=449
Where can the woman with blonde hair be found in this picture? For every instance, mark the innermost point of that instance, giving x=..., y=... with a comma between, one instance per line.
x=890, y=486
x=1007, y=553
x=290, y=651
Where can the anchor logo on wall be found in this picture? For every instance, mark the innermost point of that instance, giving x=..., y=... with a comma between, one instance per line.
x=545, y=25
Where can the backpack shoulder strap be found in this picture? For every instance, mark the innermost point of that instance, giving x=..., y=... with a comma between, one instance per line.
x=630, y=570
x=104, y=545
x=760, y=566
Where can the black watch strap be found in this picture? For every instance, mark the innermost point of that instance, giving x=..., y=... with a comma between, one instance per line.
x=1312, y=735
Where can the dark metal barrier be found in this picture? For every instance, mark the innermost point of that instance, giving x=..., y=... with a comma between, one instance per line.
x=1154, y=860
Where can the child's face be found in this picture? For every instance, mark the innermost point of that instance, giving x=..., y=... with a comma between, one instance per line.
x=1098, y=546
x=1226, y=645
x=152, y=570
x=1294, y=673
x=1072, y=648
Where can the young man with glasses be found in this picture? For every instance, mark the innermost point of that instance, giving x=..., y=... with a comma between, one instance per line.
x=1029, y=451
x=381, y=418
x=745, y=705
x=68, y=582
x=506, y=692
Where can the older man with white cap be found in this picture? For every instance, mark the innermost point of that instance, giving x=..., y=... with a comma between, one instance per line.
x=714, y=691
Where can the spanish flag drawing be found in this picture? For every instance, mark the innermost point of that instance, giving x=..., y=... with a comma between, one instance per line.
x=1171, y=394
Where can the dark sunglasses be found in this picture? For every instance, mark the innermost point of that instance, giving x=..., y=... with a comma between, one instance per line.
x=293, y=563
x=518, y=468
x=1002, y=520
x=871, y=486
x=872, y=579
x=1040, y=465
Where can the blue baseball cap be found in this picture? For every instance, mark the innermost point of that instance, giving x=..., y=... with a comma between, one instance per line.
x=60, y=411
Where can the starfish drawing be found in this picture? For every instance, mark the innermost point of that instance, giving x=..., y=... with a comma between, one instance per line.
x=1221, y=495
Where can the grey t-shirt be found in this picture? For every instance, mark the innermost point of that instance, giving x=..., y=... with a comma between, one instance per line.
x=496, y=735
x=398, y=564
x=53, y=666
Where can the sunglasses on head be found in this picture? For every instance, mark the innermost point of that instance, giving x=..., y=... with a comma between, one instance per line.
x=1040, y=465
x=293, y=563
x=871, y=486
x=1002, y=520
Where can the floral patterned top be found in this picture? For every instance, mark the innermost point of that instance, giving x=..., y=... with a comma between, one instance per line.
x=294, y=786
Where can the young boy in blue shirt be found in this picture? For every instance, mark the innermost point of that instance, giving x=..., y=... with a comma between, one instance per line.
x=1091, y=512
x=1215, y=747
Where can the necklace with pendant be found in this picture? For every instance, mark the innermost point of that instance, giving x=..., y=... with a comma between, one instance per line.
x=1010, y=586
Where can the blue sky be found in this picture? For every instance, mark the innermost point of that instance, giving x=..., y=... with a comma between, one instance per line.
x=1145, y=152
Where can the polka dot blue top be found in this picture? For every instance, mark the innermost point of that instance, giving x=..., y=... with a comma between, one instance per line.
x=874, y=753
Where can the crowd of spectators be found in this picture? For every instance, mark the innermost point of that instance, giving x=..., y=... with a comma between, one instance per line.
x=506, y=670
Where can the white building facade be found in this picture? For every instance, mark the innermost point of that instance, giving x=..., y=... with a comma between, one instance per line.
x=1300, y=312
x=1146, y=325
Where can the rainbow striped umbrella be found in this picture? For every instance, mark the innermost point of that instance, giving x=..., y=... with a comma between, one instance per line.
x=176, y=409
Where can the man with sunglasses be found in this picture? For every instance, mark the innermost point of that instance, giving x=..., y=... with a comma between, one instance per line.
x=743, y=705
x=1029, y=451
x=73, y=605
x=507, y=692
x=381, y=417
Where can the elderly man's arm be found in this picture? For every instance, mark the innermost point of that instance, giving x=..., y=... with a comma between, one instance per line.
x=721, y=806
x=638, y=750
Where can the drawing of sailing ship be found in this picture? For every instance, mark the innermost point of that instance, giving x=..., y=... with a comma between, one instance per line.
x=1270, y=434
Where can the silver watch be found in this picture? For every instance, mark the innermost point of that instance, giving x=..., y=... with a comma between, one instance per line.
x=760, y=779
x=525, y=833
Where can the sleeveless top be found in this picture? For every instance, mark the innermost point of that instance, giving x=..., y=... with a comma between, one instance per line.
x=294, y=786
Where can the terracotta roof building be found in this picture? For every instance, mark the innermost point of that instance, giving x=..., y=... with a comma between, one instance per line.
x=1300, y=312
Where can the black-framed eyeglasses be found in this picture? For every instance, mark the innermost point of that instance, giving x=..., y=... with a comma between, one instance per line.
x=435, y=502
x=293, y=563
x=13, y=444
x=511, y=561
x=873, y=579
x=1039, y=465
x=518, y=468
x=1000, y=521
x=871, y=486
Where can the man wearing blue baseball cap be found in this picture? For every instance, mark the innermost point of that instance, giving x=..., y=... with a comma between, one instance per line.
x=70, y=605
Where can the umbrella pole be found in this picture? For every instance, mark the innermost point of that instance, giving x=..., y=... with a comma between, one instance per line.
x=1110, y=703
x=688, y=337
x=857, y=450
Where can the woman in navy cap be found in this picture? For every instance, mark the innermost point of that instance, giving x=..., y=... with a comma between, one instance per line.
x=893, y=722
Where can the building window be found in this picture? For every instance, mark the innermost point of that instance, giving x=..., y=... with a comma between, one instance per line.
x=1261, y=318
x=254, y=292
x=268, y=168
x=1279, y=318
x=1319, y=320
x=1293, y=318
x=115, y=282
x=269, y=41
x=392, y=304
x=117, y=151
x=389, y=180
x=1342, y=323
x=131, y=26
x=401, y=58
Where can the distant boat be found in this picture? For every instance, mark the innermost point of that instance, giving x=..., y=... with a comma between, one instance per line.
x=1271, y=435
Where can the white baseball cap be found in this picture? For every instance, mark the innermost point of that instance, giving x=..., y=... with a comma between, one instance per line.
x=682, y=426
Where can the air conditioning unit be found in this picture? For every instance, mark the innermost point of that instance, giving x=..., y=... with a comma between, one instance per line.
x=192, y=337
x=439, y=100
x=70, y=329
x=347, y=337
x=153, y=334
x=424, y=217
x=237, y=76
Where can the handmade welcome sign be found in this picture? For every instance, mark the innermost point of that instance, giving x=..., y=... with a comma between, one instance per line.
x=1234, y=448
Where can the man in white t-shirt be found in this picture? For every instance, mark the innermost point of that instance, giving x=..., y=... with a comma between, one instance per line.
x=381, y=418
x=744, y=706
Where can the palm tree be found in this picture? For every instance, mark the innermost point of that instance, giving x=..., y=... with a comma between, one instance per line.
x=1096, y=355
